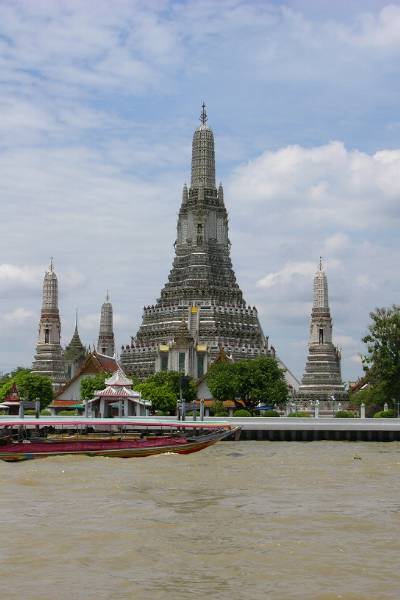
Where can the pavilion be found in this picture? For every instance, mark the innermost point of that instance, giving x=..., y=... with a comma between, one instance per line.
x=118, y=398
x=12, y=401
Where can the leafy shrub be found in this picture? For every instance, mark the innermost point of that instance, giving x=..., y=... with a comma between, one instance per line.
x=344, y=414
x=270, y=413
x=221, y=413
x=242, y=412
x=68, y=413
x=45, y=412
x=384, y=414
x=299, y=413
x=218, y=409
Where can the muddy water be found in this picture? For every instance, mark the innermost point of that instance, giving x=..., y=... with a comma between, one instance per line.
x=248, y=520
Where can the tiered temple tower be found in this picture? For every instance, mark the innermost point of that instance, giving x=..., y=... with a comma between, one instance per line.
x=49, y=359
x=322, y=379
x=74, y=354
x=105, y=343
x=201, y=307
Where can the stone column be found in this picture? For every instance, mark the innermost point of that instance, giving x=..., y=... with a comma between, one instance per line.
x=201, y=410
x=102, y=408
x=316, y=409
x=362, y=411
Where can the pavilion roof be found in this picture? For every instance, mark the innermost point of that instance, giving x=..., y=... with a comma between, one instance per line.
x=118, y=378
x=116, y=392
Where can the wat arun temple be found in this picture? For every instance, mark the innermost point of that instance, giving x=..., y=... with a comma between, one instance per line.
x=201, y=314
x=201, y=308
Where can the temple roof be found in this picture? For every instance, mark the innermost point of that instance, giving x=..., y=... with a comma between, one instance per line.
x=94, y=363
x=107, y=363
x=13, y=396
x=183, y=336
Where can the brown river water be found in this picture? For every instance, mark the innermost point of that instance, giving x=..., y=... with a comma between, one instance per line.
x=247, y=520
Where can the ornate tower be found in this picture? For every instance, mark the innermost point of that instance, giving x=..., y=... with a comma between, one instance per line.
x=322, y=379
x=201, y=307
x=75, y=353
x=105, y=343
x=49, y=358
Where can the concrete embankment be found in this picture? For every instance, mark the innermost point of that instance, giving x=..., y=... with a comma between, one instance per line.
x=310, y=429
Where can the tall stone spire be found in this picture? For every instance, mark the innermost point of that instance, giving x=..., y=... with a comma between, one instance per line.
x=49, y=358
x=203, y=155
x=201, y=293
x=322, y=379
x=105, y=343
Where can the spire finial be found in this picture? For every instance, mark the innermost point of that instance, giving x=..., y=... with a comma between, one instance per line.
x=108, y=296
x=51, y=264
x=203, y=115
x=320, y=263
x=76, y=319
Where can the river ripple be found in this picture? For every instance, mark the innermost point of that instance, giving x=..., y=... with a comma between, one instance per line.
x=248, y=520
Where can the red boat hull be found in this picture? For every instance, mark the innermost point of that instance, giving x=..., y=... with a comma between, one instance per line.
x=19, y=451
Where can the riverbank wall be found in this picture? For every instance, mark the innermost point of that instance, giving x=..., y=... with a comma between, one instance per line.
x=289, y=429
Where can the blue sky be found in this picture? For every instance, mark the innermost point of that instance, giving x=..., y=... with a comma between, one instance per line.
x=99, y=101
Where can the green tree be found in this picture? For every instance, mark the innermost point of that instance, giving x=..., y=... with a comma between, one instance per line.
x=163, y=390
x=163, y=399
x=8, y=376
x=89, y=385
x=260, y=380
x=30, y=386
x=221, y=379
x=252, y=381
x=382, y=359
x=373, y=396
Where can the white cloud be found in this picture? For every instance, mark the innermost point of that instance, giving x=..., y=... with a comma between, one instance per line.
x=337, y=243
x=30, y=277
x=285, y=275
x=365, y=282
x=323, y=185
x=72, y=279
x=345, y=341
x=381, y=30
x=356, y=358
x=18, y=317
x=14, y=276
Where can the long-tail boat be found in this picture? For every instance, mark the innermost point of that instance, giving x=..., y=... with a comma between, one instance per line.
x=25, y=439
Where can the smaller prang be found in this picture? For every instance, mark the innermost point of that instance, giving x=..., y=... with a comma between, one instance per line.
x=322, y=379
x=105, y=343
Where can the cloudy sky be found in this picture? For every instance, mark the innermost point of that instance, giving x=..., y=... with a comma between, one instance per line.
x=98, y=103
